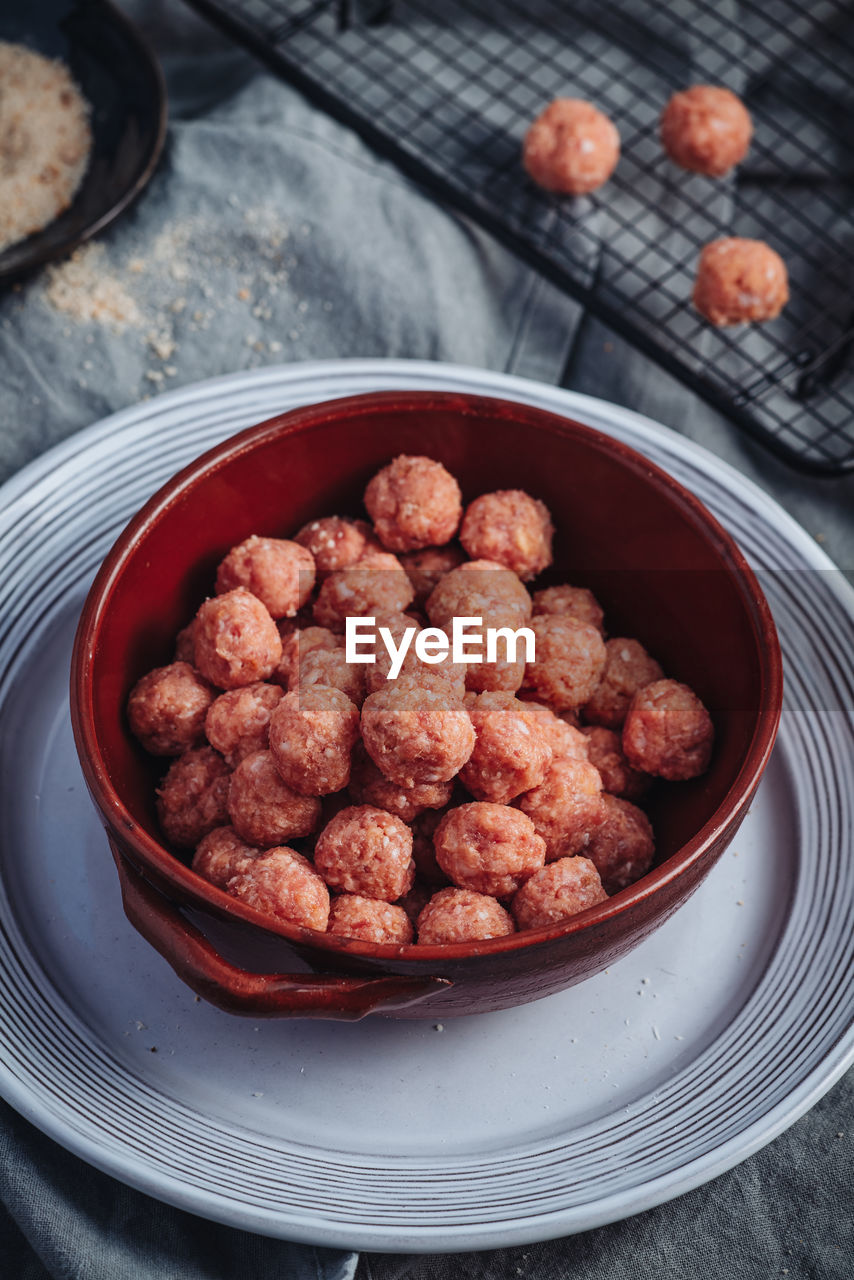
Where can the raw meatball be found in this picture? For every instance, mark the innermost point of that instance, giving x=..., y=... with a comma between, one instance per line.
x=566, y=808
x=566, y=742
x=278, y=572
x=510, y=754
x=238, y=722
x=511, y=528
x=414, y=502
x=444, y=676
x=221, y=854
x=191, y=799
x=330, y=807
x=575, y=602
x=668, y=732
x=461, y=915
x=167, y=709
x=397, y=624
x=369, y=920
x=501, y=676
x=488, y=848
x=185, y=643
x=283, y=884
x=628, y=667
x=426, y=568
x=706, y=129
x=330, y=667
x=366, y=851
x=236, y=640
x=556, y=893
x=369, y=786
x=263, y=809
x=605, y=751
x=335, y=542
x=416, y=735
x=414, y=902
x=507, y=576
x=447, y=679
x=423, y=850
x=483, y=589
x=479, y=589
x=312, y=732
x=740, y=281
x=376, y=585
x=298, y=643
x=571, y=147
x=570, y=659
x=622, y=847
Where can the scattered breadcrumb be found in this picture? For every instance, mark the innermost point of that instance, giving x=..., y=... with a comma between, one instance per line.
x=180, y=282
x=82, y=287
x=45, y=141
x=161, y=344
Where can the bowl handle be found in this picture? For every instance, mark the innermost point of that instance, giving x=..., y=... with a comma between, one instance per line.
x=256, y=995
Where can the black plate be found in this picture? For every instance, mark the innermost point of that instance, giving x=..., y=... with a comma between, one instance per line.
x=121, y=79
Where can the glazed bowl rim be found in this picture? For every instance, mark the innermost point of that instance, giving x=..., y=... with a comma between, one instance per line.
x=197, y=893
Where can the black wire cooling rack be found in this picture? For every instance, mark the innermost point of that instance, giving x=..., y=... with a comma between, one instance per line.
x=447, y=89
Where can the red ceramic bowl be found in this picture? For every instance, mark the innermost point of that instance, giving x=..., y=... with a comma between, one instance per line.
x=662, y=566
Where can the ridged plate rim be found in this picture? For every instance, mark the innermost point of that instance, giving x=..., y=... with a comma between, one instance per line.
x=47, y=514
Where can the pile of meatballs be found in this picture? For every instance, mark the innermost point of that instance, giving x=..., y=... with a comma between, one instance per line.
x=572, y=148
x=459, y=801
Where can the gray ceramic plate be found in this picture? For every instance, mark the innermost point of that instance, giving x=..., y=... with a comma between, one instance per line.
x=535, y=1122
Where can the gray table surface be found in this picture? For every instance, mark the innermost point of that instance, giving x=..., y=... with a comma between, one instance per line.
x=272, y=234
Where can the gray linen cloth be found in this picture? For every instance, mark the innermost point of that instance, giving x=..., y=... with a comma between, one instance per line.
x=270, y=233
